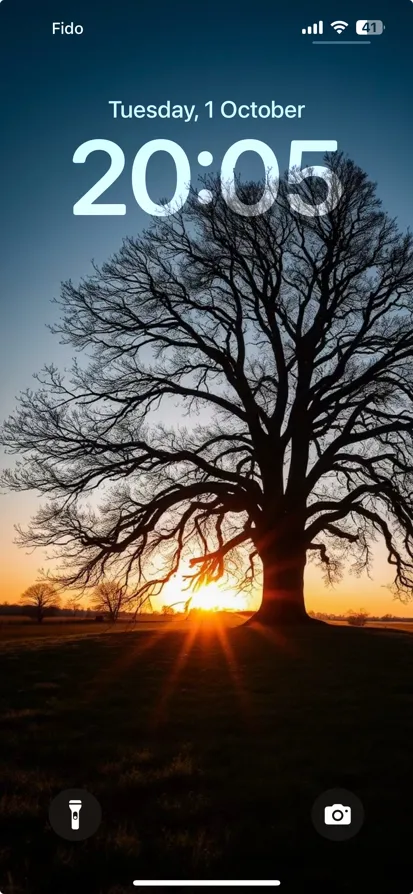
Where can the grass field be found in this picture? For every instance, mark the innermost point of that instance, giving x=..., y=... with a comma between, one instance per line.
x=404, y=626
x=28, y=632
x=25, y=629
x=206, y=747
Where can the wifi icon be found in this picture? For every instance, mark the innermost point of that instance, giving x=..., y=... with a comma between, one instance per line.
x=339, y=27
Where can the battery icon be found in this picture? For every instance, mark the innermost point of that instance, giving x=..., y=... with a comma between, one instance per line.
x=369, y=26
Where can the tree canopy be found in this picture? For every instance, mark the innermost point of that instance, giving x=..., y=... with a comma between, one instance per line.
x=42, y=599
x=244, y=383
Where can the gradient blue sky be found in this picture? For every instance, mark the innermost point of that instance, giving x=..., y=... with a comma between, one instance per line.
x=54, y=96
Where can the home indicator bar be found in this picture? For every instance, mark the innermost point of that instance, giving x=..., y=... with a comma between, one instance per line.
x=216, y=883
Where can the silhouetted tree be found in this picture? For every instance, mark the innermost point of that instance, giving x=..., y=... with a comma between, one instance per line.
x=168, y=610
x=74, y=604
x=111, y=598
x=287, y=340
x=42, y=599
x=357, y=619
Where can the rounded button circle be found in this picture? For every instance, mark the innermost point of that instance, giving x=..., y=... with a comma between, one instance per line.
x=75, y=814
x=338, y=814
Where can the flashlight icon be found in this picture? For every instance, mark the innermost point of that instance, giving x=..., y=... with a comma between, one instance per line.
x=75, y=808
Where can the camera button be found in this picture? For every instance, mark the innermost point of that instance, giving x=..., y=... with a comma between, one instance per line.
x=337, y=814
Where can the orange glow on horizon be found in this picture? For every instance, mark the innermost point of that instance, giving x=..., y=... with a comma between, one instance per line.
x=20, y=569
x=210, y=597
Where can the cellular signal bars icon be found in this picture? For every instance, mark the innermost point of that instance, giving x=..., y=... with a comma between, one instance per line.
x=313, y=29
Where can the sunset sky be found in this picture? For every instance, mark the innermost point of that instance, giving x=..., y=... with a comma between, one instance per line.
x=55, y=95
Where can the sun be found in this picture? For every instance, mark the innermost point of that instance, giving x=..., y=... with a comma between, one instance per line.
x=210, y=597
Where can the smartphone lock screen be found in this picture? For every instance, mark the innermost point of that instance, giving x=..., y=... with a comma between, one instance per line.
x=206, y=446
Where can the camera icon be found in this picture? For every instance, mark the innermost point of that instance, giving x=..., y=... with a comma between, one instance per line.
x=337, y=815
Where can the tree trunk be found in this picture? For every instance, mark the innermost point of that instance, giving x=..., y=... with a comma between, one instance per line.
x=283, y=588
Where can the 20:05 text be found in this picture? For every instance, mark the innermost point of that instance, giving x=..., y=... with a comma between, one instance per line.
x=86, y=205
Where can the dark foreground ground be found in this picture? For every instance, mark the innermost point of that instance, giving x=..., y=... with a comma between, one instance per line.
x=206, y=749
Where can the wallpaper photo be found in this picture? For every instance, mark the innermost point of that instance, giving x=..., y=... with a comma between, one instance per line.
x=206, y=446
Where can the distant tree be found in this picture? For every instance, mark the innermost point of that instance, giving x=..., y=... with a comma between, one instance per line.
x=358, y=618
x=285, y=337
x=42, y=599
x=168, y=610
x=73, y=605
x=111, y=598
